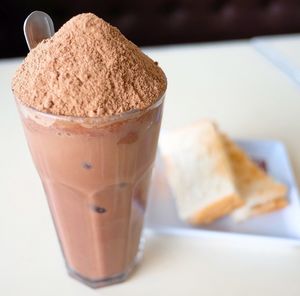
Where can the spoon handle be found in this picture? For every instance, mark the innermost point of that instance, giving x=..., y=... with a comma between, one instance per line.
x=37, y=27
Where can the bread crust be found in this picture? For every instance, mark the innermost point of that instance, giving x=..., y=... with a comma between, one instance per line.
x=261, y=193
x=216, y=210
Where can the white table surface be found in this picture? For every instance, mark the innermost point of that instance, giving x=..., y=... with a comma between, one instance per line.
x=287, y=46
x=228, y=82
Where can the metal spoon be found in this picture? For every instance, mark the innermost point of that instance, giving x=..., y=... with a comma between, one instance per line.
x=37, y=27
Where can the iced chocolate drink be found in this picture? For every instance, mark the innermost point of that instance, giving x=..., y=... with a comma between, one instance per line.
x=91, y=106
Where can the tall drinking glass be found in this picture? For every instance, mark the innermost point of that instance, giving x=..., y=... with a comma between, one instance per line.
x=96, y=174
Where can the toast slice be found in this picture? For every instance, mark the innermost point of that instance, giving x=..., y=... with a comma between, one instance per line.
x=199, y=173
x=260, y=192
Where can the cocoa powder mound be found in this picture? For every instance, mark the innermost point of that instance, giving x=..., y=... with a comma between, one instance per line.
x=88, y=69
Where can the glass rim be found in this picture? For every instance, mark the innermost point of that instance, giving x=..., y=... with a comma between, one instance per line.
x=99, y=119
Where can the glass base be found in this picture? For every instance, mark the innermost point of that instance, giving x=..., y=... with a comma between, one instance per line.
x=118, y=278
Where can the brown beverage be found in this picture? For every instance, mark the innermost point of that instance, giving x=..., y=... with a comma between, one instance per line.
x=95, y=169
x=96, y=176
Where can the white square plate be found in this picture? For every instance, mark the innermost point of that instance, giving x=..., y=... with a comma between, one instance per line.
x=281, y=226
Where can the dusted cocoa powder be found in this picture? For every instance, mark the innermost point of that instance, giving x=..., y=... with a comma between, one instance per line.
x=88, y=69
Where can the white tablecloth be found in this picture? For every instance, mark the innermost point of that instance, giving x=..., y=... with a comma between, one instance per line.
x=229, y=82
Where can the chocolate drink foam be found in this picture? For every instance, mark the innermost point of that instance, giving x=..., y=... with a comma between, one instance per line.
x=88, y=69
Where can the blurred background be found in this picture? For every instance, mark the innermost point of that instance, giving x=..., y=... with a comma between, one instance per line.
x=158, y=22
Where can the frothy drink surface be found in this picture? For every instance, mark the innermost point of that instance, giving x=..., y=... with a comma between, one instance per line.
x=94, y=157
